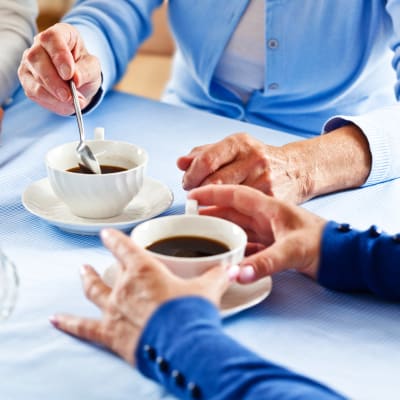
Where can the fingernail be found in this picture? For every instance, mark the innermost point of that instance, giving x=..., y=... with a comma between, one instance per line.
x=247, y=274
x=105, y=234
x=65, y=71
x=84, y=269
x=62, y=94
x=54, y=321
x=233, y=272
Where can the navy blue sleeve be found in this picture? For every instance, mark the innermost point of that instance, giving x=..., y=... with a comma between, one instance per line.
x=367, y=261
x=184, y=348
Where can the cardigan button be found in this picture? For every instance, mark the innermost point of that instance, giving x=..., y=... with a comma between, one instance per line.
x=150, y=352
x=396, y=238
x=194, y=390
x=163, y=365
x=344, y=228
x=179, y=378
x=374, y=231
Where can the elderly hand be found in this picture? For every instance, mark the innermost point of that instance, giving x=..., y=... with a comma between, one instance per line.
x=285, y=236
x=142, y=285
x=58, y=55
x=294, y=172
x=241, y=159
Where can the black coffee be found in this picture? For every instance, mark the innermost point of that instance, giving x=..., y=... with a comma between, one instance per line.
x=105, y=169
x=188, y=246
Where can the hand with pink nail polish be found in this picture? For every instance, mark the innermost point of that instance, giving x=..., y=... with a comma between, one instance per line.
x=58, y=55
x=281, y=235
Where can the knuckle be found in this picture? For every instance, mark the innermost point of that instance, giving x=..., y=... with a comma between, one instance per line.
x=33, y=54
x=241, y=137
x=91, y=288
x=36, y=91
x=48, y=35
x=123, y=251
x=207, y=161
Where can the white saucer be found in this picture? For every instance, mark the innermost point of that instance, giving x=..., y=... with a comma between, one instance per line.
x=40, y=200
x=241, y=297
x=236, y=299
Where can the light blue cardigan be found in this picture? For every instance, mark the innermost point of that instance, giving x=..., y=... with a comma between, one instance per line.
x=334, y=63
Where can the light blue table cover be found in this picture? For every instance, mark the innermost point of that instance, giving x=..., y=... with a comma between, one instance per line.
x=350, y=342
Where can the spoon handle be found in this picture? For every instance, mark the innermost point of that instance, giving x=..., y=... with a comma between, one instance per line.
x=77, y=110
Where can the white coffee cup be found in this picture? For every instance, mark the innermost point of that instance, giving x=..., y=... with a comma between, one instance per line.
x=103, y=195
x=226, y=232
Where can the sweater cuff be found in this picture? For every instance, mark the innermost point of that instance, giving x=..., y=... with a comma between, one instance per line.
x=158, y=354
x=340, y=267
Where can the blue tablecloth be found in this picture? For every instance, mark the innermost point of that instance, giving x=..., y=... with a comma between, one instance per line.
x=349, y=342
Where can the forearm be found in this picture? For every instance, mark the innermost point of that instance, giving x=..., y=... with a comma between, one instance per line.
x=17, y=28
x=328, y=163
x=365, y=261
x=186, y=334
x=112, y=31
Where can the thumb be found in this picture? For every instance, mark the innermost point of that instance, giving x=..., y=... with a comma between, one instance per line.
x=216, y=280
x=278, y=257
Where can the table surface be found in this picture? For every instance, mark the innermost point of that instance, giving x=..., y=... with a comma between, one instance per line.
x=350, y=342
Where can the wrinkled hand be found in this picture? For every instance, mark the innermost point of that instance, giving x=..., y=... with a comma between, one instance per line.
x=241, y=159
x=286, y=236
x=57, y=55
x=142, y=285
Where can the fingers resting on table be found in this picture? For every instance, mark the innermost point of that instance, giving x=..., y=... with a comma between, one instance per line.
x=142, y=285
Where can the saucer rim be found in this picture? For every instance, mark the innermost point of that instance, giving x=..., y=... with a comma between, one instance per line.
x=88, y=226
x=266, y=282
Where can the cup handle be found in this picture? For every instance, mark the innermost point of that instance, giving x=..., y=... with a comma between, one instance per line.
x=191, y=207
x=98, y=133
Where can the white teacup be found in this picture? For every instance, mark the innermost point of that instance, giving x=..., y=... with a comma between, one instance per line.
x=216, y=229
x=97, y=196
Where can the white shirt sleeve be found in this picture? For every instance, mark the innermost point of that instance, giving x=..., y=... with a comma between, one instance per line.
x=17, y=28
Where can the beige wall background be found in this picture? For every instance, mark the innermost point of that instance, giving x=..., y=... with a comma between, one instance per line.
x=147, y=74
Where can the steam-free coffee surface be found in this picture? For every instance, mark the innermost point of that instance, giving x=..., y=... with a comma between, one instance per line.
x=188, y=246
x=105, y=169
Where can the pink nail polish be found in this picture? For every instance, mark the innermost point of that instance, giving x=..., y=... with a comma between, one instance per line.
x=54, y=321
x=233, y=272
x=84, y=269
x=247, y=274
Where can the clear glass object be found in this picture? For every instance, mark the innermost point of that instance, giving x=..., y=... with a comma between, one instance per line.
x=9, y=283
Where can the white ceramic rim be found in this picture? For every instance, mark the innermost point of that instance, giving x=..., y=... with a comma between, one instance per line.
x=143, y=164
x=194, y=260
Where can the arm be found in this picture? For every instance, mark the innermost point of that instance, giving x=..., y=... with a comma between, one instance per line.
x=112, y=31
x=295, y=172
x=288, y=236
x=17, y=28
x=328, y=163
x=360, y=261
x=171, y=329
x=199, y=359
x=92, y=46
x=380, y=126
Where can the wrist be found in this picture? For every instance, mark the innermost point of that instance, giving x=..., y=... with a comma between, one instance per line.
x=299, y=170
x=338, y=160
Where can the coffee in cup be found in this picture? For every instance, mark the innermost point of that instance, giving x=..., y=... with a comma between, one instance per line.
x=191, y=244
